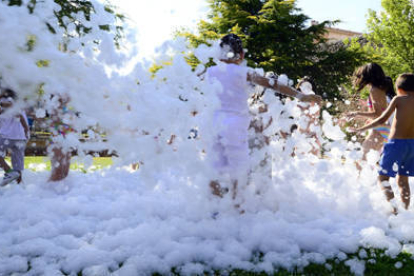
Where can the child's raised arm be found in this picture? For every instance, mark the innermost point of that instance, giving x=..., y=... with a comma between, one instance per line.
x=381, y=119
x=283, y=89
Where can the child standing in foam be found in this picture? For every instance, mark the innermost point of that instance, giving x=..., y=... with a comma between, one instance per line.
x=14, y=134
x=398, y=155
x=381, y=92
x=232, y=119
x=60, y=129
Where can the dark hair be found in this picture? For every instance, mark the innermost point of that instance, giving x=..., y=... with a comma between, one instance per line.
x=234, y=42
x=405, y=82
x=7, y=92
x=389, y=88
x=373, y=74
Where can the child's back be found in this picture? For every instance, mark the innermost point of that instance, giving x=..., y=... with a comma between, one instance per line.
x=403, y=124
x=233, y=79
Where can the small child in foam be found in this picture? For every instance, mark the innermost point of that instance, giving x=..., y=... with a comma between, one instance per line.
x=14, y=134
x=232, y=119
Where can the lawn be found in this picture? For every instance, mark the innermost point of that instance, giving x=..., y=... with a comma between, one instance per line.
x=38, y=163
x=376, y=263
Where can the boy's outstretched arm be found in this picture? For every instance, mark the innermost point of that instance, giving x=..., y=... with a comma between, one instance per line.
x=381, y=119
x=283, y=89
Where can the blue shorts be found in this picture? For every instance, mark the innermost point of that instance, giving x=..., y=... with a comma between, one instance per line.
x=397, y=158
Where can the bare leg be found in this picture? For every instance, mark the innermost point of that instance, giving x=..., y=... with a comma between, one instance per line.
x=234, y=195
x=386, y=188
x=215, y=188
x=4, y=165
x=316, y=150
x=235, y=184
x=60, y=164
x=218, y=191
x=405, y=193
x=19, y=179
x=374, y=141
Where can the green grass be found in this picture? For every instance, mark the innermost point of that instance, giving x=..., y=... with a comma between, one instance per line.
x=377, y=263
x=383, y=266
x=36, y=163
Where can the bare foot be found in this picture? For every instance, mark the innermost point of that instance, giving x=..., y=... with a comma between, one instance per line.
x=217, y=190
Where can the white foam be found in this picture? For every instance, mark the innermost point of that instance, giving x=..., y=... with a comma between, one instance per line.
x=298, y=208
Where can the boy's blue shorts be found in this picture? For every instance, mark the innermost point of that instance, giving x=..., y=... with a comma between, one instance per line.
x=401, y=153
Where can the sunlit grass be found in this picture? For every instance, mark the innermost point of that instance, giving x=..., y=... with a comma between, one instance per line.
x=42, y=163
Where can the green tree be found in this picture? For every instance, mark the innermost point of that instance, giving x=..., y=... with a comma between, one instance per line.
x=391, y=36
x=278, y=38
x=69, y=13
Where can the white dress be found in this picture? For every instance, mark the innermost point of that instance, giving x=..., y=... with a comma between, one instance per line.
x=232, y=119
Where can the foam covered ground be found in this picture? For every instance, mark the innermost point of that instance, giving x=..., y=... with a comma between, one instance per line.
x=112, y=221
x=297, y=209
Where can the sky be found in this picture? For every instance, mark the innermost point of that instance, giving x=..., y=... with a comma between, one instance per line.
x=157, y=20
x=352, y=13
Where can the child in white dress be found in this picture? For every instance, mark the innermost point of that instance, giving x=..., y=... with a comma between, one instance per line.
x=232, y=118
